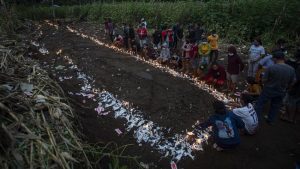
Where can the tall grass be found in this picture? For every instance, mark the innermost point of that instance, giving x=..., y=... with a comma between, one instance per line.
x=236, y=20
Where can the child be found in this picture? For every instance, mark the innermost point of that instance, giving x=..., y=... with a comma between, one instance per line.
x=247, y=114
x=213, y=41
x=234, y=67
x=119, y=41
x=216, y=75
x=175, y=61
x=148, y=52
x=224, y=127
x=253, y=89
x=203, y=51
x=256, y=52
x=164, y=54
x=142, y=33
x=186, y=56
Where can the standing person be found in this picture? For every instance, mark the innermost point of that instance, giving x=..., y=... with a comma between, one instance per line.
x=256, y=52
x=191, y=31
x=178, y=34
x=131, y=37
x=156, y=36
x=198, y=33
x=213, y=41
x=203, y=50
x=216, y=75
x=126, y=35
x=164, y=35
x=277, y=79
x=234, y=67
x=225, y=127
x=170, y=36
x=280, y=46
x=195, y=60
x=111, y=30
x=106, y=26
x=142, y=33
x=247, y=114
x=186, y=56
x=293, y=105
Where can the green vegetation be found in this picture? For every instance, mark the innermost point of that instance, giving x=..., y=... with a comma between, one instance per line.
x=236, y=20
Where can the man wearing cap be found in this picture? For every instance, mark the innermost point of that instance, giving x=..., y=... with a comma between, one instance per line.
x=277, y=79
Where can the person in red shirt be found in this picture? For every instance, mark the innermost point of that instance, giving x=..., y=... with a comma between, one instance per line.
x=234, y=67
x=142, y=34
x=163, y=34
x=216, y=75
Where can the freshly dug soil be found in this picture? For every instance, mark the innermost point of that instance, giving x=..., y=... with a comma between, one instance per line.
x=166, y=100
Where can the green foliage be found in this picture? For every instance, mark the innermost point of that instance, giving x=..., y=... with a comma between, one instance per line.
x=236, y=20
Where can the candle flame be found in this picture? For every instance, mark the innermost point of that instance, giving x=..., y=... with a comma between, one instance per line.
x=199, y=140
x=190, y=133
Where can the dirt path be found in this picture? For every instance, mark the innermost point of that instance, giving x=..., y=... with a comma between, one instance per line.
x=166, y=100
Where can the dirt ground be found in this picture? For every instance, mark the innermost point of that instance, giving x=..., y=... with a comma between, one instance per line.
x=169, y=101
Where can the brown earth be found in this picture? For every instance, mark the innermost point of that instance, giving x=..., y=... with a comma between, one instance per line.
x=170, y=102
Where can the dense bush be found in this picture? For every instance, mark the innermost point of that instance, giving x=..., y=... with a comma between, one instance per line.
x=236, y=20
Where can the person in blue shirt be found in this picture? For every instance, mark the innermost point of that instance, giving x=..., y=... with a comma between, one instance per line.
x=225, y=127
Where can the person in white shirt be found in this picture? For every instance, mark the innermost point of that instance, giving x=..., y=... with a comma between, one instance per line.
x=256, y=52
x=143, y=21
x=247, y=114
x=164, y=54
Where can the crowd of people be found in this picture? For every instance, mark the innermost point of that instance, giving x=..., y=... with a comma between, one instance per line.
x=271, y=78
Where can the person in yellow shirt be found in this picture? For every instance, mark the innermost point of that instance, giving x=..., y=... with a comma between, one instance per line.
x=253, y=89
x=213, y=41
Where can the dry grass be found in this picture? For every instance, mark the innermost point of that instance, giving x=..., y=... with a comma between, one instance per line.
x=36, y=130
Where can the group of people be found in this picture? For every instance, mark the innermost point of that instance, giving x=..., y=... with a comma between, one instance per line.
x=277, y=81
x=189, y=51
x=271, y=77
